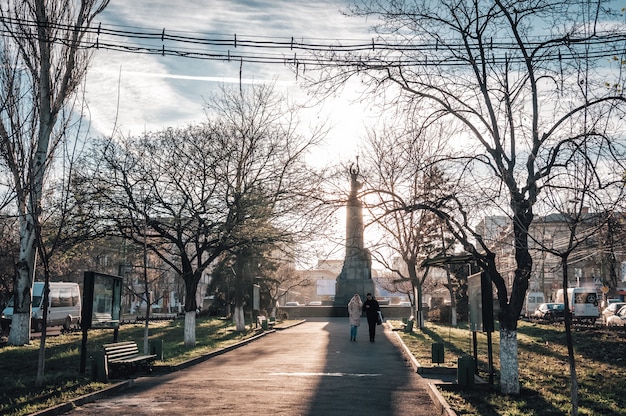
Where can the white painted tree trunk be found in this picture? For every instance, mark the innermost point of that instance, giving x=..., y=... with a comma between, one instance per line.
x=509, y=365
x=453, y=317
x=239, y=319
x=20, y=323
x=190, y=328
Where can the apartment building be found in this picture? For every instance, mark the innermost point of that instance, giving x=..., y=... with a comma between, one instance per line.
x=598, y=258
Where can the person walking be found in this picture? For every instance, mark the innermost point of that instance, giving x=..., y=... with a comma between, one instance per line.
x=371, y=308
x=354, y=312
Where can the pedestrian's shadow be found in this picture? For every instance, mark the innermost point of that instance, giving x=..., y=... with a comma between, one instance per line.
x=360, y=378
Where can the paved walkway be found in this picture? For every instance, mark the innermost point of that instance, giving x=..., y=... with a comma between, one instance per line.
x=309, y=369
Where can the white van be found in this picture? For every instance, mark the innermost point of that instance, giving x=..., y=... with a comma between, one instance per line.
x=532, y=302
x=583, y=303
x=64, y=309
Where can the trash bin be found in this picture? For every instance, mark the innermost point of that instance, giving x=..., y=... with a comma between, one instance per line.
x=99, y=370
x=437, y=353
x=264, y=324
x=156, y=347
x=409, y=326
x=465, y=371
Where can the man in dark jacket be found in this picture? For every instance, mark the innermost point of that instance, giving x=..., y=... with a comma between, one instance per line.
x=371, y=308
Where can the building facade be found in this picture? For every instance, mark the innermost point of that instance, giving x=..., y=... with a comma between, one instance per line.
x=597, y=260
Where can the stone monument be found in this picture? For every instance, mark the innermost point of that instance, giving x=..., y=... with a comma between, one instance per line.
x=356, y=273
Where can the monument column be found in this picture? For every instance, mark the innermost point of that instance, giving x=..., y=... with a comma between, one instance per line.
x=356, y=274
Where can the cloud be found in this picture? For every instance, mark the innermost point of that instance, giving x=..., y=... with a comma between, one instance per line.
x=226, y=80
x=134, y=93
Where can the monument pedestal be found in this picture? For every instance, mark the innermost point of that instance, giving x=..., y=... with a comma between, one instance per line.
x=346, y=288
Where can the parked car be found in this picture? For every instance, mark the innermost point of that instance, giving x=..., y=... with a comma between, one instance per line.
x=611, y=310
x=315, y=303
x=619, y=319
x=550, y=312
x=292, y=304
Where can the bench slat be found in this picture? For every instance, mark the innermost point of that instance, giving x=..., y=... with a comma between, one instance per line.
x=119, y=344
x=122, y=355
x=133, y=359
x=126, y=350
x=121, y=348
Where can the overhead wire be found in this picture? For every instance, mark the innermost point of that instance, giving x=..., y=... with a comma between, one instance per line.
x=392, y=51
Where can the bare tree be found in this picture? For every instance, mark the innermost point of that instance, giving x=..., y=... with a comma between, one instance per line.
x=586, y=206
x=523, y=79
x=401, y=173
x=228, y=185
x=42, y=65
x=281, y=280
x=272, y=193
x=54, y=233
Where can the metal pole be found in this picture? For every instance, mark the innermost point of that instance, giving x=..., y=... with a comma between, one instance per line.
x=490, y=354
x=83, y=352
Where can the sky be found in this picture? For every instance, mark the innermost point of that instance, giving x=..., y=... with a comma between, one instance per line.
x=135, y=93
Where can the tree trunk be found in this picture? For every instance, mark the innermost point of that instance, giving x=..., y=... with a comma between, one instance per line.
x=569, y=338
x=41, y=362
x=146, y=327
x=509, y=366
x=416, y=284
x=190, y=328
x=453, y=320
x=191, y=305
x=418, y=298
x=510, y=312
x=419, y=312
x=20, y=322
x=239, y=319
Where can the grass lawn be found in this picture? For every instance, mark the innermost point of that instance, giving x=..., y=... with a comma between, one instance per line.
x=543, y=370
x=63, y=381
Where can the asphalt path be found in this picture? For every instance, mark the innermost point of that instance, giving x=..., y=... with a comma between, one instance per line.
x=309, y=369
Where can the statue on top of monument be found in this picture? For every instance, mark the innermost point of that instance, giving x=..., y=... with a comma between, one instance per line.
x=355, y=185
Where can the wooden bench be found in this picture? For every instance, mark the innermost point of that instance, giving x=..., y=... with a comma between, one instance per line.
x=124, y=358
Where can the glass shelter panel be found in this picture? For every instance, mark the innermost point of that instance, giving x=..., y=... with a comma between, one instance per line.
x=102, y=300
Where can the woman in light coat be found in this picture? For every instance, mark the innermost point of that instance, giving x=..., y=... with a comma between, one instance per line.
x=354, y=312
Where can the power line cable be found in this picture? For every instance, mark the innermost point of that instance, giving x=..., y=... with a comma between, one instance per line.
x=394, y=52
